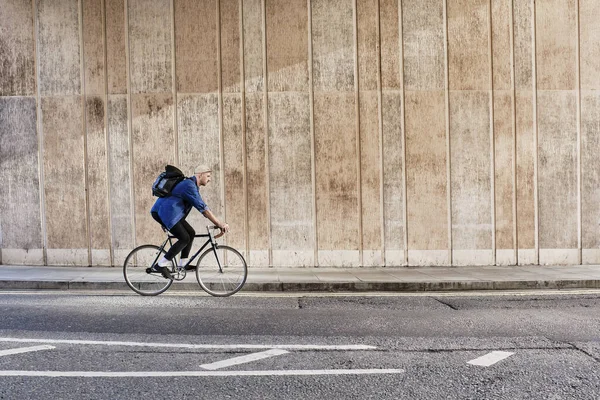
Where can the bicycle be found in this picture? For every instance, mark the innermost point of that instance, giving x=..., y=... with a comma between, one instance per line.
x=220, y=271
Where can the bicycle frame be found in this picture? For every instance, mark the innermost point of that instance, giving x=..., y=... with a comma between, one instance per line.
x=144, y=277
x=210, y=241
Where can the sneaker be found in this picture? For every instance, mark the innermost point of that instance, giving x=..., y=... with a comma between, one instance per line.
x=164, y=271
x=190, y=267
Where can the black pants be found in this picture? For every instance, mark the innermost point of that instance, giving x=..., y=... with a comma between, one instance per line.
x=185, y=238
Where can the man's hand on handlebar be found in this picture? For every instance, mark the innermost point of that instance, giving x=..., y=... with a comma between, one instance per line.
x=224, y=228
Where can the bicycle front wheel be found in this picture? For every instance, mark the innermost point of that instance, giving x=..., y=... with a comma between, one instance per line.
x=221, y=271
x=138, y=274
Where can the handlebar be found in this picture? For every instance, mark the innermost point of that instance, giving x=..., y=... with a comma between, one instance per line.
x=215, y=228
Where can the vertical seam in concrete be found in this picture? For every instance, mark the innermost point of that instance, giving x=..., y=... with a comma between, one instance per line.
x=312, y=134
x=403, y=128
x=535, y=136
x=514, y=132
x=448, y=161
x=579, y=166
x=40, y=132
x=174, y=82
x=1, y=242
x=492, y=134
x=380, y=128
x=358, y=143
x=266, y=128
x=244, y=140
x=130, y=124
x=84, y=127
x=106, y=133
x=220, y=111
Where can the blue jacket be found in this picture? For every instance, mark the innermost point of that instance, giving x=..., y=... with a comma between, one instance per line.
x=184, y=196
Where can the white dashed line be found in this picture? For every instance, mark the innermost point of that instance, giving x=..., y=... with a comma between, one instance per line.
x=159, y=374
x=244, y=359
x=24, y=350
x=490, y=358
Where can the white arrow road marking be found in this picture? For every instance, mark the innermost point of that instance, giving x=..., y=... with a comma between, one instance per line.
x=25, y=350
x=196, y=346
x=490, y=358
x=159, y=374
x=244, y=359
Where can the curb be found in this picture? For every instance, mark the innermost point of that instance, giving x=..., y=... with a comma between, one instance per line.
x=327, y=286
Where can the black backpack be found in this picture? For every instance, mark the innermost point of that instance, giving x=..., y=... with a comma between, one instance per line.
x=166, y=181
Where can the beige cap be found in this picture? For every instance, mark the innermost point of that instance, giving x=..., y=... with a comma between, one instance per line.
x=202, y=168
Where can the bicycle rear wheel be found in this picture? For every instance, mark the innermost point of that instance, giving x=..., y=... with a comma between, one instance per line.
x=221, y=271
x=137, y=273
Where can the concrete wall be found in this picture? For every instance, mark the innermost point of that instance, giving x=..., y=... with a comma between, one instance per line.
x=341, y=132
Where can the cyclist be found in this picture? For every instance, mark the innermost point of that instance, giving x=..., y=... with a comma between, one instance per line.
x=171, y=212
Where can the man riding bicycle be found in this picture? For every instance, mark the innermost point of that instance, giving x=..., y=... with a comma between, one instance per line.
x=171, y=212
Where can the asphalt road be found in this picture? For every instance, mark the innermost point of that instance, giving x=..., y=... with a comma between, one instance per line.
x=66, y=345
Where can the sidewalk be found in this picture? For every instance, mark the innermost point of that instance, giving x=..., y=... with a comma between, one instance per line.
x=397, y=279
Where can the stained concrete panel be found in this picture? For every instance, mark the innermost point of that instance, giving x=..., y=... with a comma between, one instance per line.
x=196, y=55
x=370, y=144
x=257, y=173
x=120, y=182
x=424, y=53
x=290, y=177
x=336, y=171
x=393, y=184
x=150, y=46
x=287, y=45
x=501, y=44
x=58, y=47
x=199, y=143
x=64, y=175
x=253, y=45
x=116, y=55
x=97, y=174
x=333, y=45
x=95, y=87
x=20, y=212
x=153, y=148
x=468, y=45
x=590, y=169
x=93, y=47
x=589, y=44
x=426, y=170
x=470, y=170
x=557, y=168
x=230, y=45
x=523, y=43
x=526, y=153
x=503, y=168
x=370, y=169
x=556, y=44
x=233, y=160
x=17, y=51
x=368, y=43
x=391, y=46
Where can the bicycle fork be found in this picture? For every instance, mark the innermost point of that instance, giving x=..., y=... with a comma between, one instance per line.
x=215, y=246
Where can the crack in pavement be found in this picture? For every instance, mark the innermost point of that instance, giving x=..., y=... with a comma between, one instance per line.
x=445, y=303
x=574, y=346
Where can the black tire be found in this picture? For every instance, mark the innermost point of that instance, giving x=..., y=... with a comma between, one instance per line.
x=224, y=281
x=136, y=267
